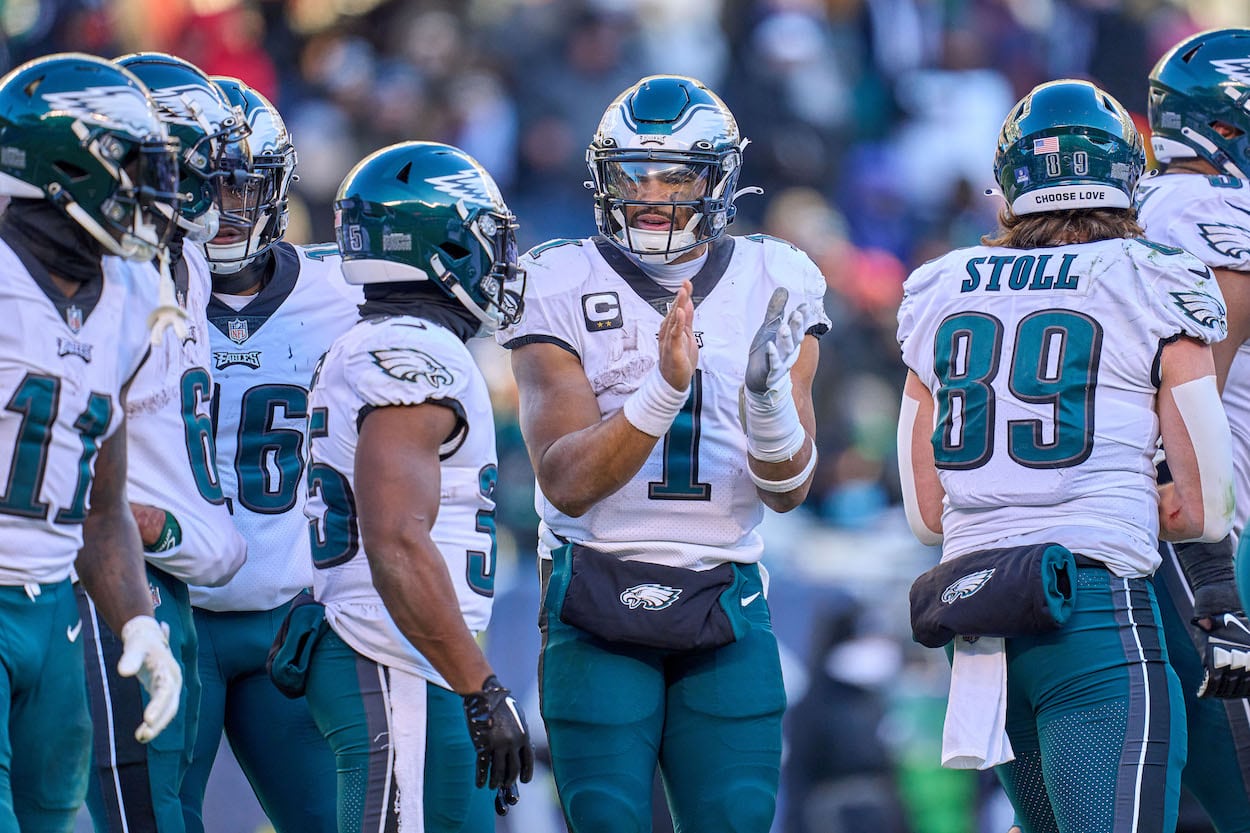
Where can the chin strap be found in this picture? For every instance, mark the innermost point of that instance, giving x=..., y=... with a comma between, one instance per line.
x=167, y=313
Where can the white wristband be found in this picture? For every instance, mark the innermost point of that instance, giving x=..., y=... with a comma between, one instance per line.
x=653, y=407
x=790, y=483
x=774, y=432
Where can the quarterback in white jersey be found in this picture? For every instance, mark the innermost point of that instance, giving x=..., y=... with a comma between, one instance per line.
x=401, y=500
x=664, y=370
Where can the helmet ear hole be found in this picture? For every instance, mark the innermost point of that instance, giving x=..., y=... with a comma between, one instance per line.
x=70, y=171
x=454, y=251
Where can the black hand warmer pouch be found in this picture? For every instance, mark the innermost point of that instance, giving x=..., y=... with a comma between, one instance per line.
x=654, y=605
x=1010, y=591
x=292, y=648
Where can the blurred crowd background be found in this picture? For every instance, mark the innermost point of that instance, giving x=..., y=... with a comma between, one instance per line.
x=872, y=125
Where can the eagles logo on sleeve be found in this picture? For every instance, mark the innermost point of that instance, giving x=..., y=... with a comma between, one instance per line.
x=410, y=365
x=1202, y=308
x=1226, y=238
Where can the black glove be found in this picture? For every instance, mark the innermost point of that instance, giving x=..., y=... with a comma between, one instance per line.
x=1225, y=645
x=505, y=798
x=501, y=738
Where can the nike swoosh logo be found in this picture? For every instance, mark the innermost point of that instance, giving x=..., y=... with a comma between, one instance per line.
x=1232, y=621
x=72, y=631
x=1202, y=273
x=746, y=600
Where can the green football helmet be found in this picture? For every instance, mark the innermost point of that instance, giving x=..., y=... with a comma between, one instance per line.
x=262, y=203
x=423, y=211
x=1202, y=80
x=668, y=136
x=215, y=151
x=1068, y=144
x=83, y=133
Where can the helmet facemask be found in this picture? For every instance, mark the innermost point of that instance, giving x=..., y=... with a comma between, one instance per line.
x=660, y=207
x=130, y=222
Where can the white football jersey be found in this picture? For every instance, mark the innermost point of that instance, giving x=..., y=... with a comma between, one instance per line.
x=1210, y=217
x=385, y=361
x=692, y=504
x=172, y=461
x=263, y=358
x=1043, y=367
x=63, y=364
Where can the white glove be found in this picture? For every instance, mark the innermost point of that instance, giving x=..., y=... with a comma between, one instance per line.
x=145, y=651
x=775, y=349
x=167, y=313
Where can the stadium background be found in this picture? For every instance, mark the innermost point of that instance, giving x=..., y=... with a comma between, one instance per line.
x=872, y=126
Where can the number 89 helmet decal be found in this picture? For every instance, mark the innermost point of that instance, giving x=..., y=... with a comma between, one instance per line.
x=1067, y=144
x=423, y=211
x=663, y=164
x=83, y=133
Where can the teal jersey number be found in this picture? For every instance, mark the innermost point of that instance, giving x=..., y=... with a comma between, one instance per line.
x=37, y=399
x=681, y=453
x=1055, y=364
x=201, y=443
x=480, y=570
x=91, y=425
x=335, y=538
x=320, y=251
x=965, y=357
x=269, y=460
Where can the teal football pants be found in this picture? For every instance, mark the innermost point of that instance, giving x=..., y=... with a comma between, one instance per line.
x=279, y=749
x=711, y=720
x=1218, y=769
x=134, y=786
x=1096, y=717
x=45, y=728
x=353, y=701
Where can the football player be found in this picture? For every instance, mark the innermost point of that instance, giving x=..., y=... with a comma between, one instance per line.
x=401, y=486
x=665, y=372
x=92, y=174
x=1199, y=126
x=1043, y=366
x=275, y=309
x=173, y=486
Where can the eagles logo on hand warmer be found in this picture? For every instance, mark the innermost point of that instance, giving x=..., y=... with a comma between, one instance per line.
x=649, y=596
x=640, y=603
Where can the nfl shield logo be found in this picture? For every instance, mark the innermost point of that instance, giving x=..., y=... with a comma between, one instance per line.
x=73, y=317
x=237, y=330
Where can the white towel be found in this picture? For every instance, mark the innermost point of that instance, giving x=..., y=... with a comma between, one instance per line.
x=407, y=705
x=975, y=733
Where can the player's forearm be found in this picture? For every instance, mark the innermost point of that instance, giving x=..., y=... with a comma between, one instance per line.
x=110, y=566
x=582, y=468
x=412, y=579
x=209, y=554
